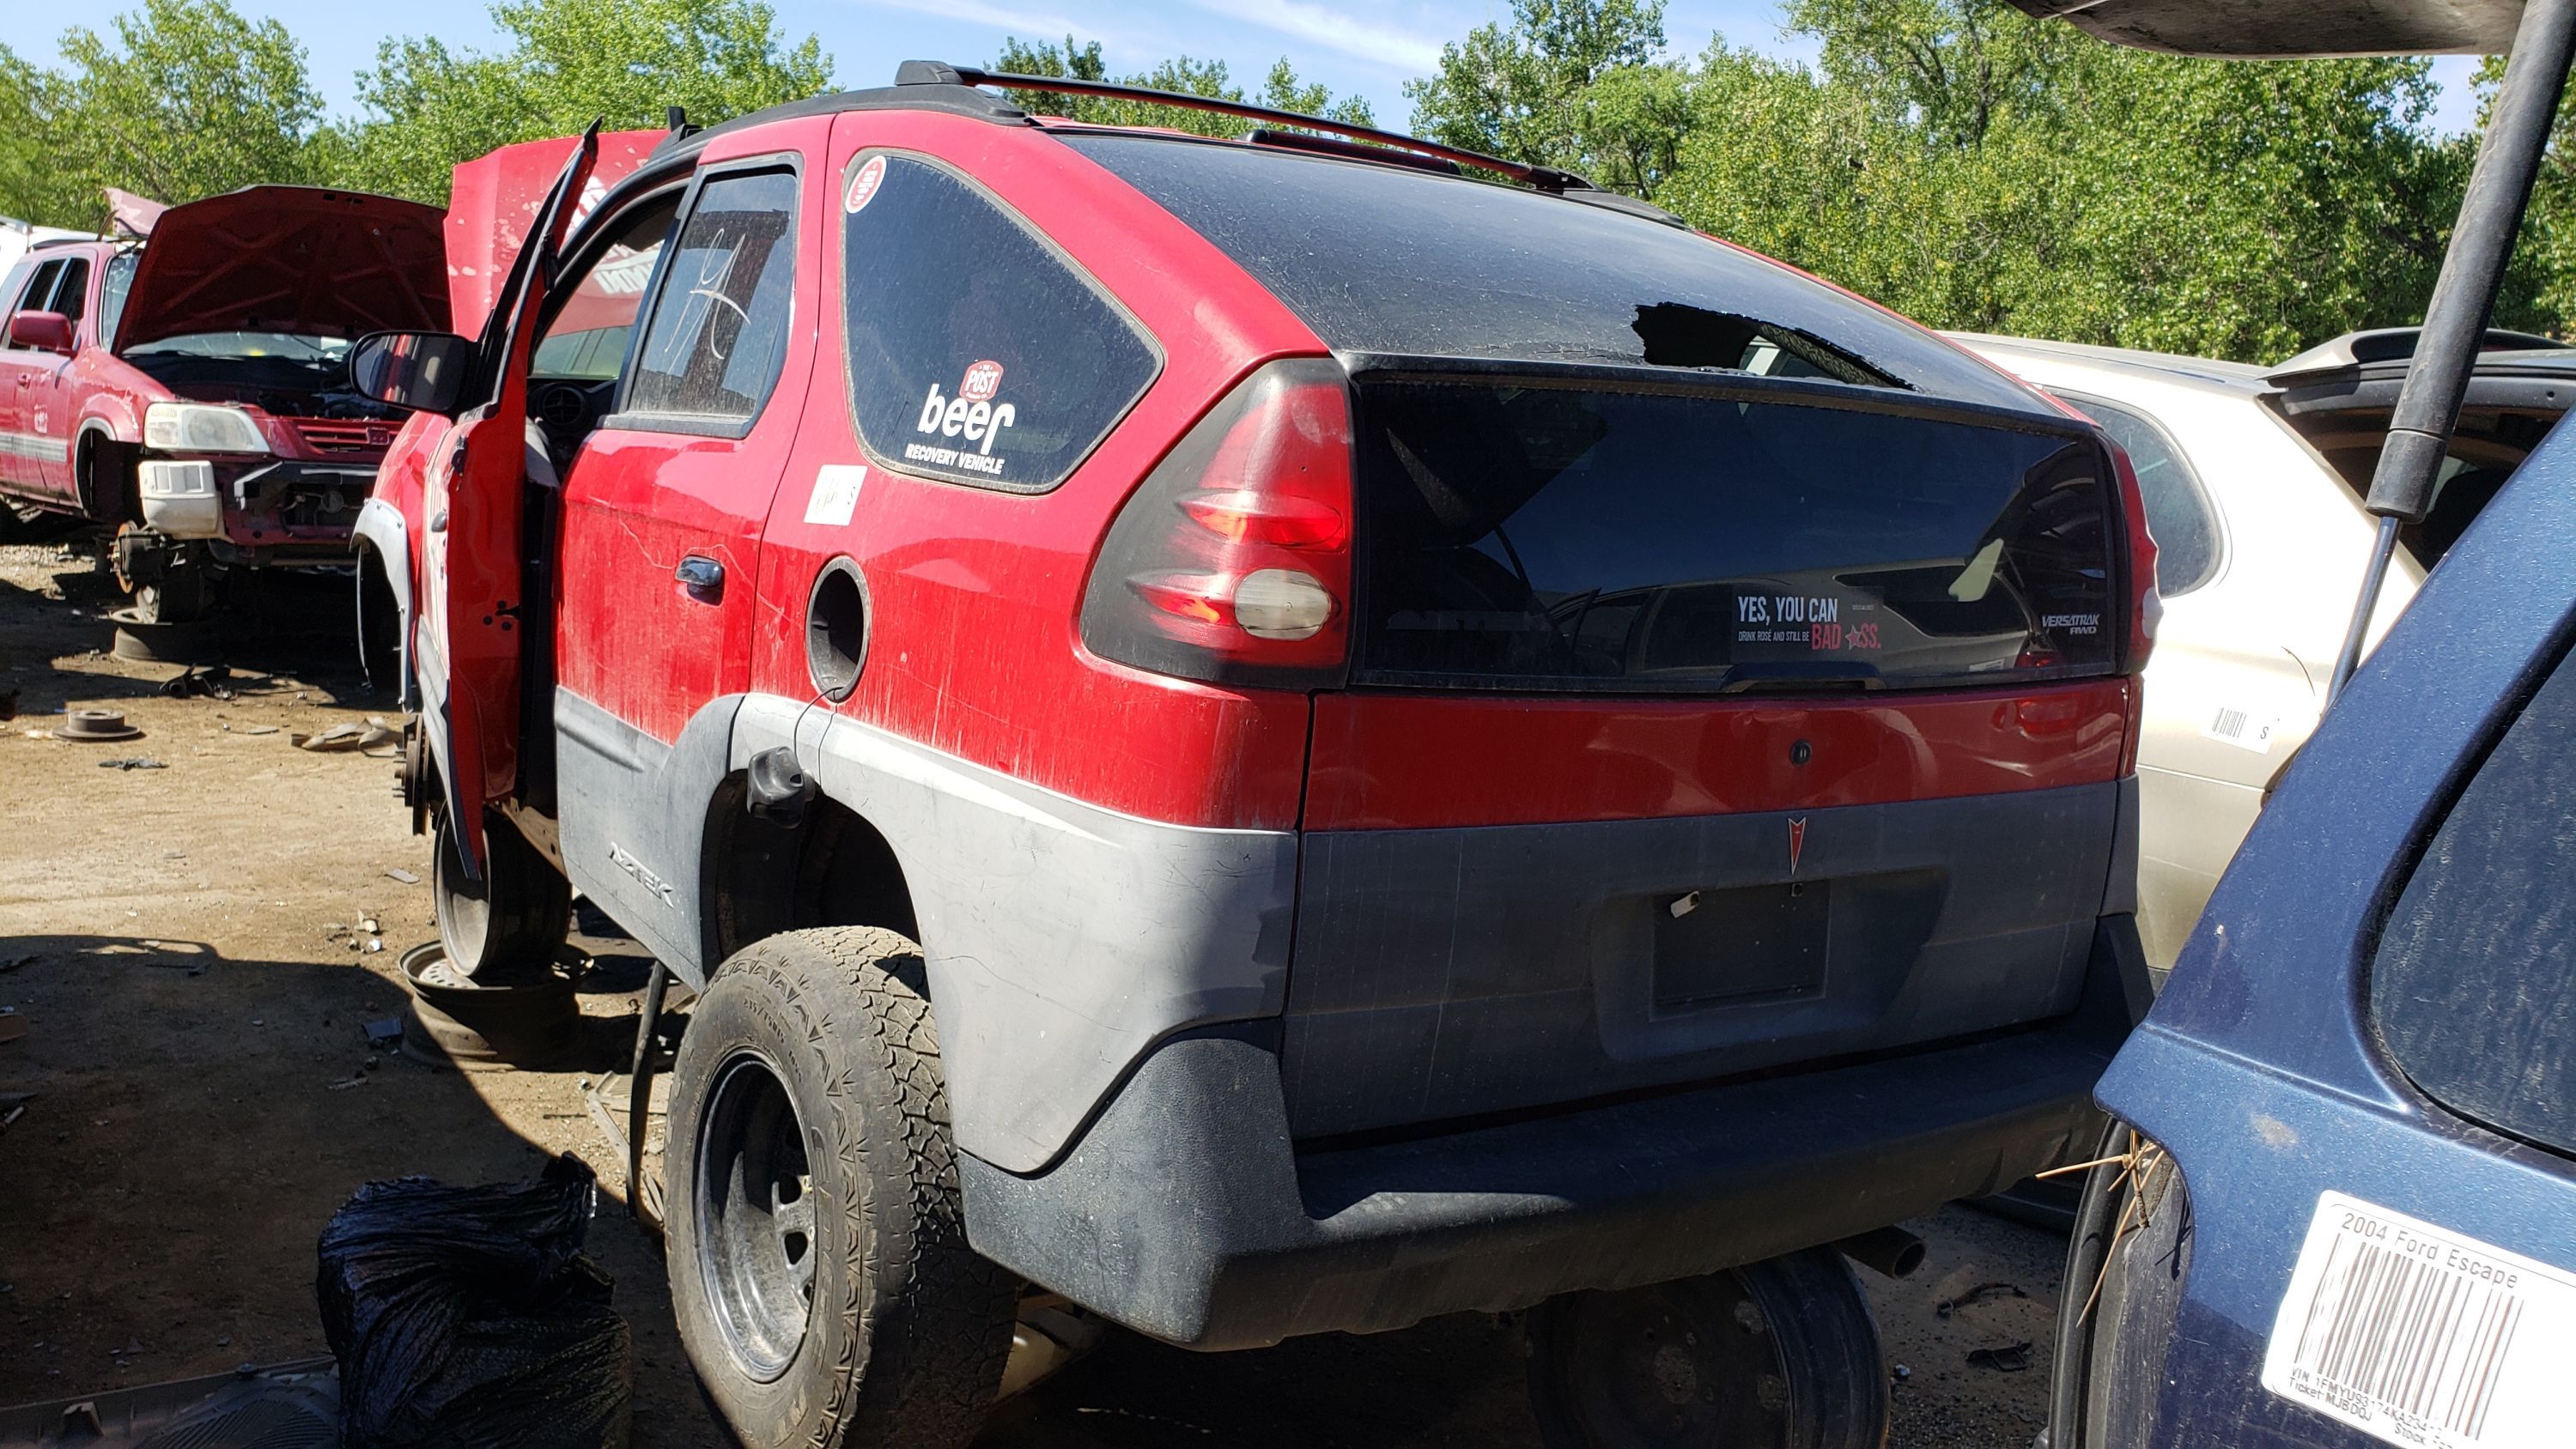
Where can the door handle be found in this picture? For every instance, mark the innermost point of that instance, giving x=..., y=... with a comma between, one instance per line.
x=703, y=577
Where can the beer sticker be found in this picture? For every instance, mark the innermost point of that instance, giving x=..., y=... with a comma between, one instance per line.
x=973, y=419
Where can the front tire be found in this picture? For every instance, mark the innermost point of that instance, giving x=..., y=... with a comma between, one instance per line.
x=819, y=1266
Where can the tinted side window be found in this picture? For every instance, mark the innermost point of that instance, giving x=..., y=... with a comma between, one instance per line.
x=111, y=295
x=2178, y=511
x=719, y=326
x=40, y=289
x=976, y=352
x=71, y=290
x=2474, y=984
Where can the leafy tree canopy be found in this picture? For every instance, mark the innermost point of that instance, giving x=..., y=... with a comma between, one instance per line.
x=183, y=99
x=426, y=108
x=1978, y=169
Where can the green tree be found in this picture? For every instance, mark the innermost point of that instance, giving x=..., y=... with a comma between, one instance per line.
x=185, y=99
x=425, y=108
x=1281, y=90
x=1568, y=83
x=1977, y=169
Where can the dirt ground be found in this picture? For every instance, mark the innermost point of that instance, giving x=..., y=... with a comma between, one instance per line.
x=179, y=943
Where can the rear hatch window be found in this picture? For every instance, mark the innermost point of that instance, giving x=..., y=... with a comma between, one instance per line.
x=1387, y=259
x=1534, y=534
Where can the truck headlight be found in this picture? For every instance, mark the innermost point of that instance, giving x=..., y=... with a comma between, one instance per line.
x=173, y=427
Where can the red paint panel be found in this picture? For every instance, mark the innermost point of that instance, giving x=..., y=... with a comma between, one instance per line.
x=1392, y=761
x=975, y=595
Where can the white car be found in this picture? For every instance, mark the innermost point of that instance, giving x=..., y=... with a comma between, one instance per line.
x=2253, y=480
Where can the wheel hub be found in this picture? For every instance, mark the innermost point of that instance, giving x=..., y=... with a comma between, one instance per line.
x=755, y=1215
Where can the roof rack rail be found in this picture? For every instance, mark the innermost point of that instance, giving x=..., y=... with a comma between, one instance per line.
x=1543, y=178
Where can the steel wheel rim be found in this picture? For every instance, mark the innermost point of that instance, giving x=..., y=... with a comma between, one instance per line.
x=754, y=1214
x=463, y=907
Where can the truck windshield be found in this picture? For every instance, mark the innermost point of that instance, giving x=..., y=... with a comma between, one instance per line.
x=285, y=346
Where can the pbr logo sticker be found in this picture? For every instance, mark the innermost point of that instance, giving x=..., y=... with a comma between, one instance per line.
x=972, y=417
x=864, y=183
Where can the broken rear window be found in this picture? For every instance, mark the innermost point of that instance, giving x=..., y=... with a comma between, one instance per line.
x=1394, y=260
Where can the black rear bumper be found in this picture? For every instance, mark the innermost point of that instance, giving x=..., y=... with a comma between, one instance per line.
x=1186, y=1212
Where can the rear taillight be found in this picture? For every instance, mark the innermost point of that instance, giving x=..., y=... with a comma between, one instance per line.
x=2146, y=606
x=1232, y=561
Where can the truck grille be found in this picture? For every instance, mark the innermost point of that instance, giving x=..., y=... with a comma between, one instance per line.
x=344, y=435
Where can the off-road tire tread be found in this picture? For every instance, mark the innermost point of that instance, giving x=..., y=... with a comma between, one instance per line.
x=934, y=1349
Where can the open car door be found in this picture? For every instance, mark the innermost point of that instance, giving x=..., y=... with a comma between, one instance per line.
x=469, y=639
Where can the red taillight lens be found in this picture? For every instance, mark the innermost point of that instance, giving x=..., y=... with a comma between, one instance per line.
x=1232, y=561
x=2146, y=606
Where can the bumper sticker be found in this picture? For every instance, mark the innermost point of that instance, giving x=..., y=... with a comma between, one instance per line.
x=2423, y=1337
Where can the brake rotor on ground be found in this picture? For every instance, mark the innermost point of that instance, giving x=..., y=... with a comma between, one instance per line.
x=95, y=726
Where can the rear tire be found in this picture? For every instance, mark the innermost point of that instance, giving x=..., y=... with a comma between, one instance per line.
x=184, y=595
x=1780, y=1354
x=514, y=919
x=820, y=1272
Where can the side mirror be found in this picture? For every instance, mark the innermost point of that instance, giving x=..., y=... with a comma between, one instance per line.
x=41, y=332
x=423, y=371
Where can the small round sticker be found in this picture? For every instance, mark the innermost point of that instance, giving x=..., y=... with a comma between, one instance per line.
x=864, y=183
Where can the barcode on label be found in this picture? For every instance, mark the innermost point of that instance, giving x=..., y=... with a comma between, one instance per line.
x=2421, y=1336
x=2242, y=728
x=2409, y=1334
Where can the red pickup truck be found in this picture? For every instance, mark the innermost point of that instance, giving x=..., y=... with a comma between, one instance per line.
x=192, y=389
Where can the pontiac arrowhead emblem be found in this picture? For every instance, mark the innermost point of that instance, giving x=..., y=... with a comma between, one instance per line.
x=1797, y=842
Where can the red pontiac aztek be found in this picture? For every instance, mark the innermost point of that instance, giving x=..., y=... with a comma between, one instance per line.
x=193, y=390
x=1269, y=736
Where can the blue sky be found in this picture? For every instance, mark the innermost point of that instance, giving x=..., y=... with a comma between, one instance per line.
x=1364, y=46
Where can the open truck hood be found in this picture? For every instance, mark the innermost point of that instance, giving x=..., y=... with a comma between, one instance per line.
x=494, y=198
x=2295, y=27
x=295, y=259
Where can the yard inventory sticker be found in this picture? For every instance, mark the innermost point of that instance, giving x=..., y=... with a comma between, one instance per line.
x=2423, y=1337
x=836, y=494
x=2246, y=729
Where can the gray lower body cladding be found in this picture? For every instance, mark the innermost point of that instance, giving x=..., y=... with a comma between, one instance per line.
x=1444, y=973
x=1187, y=1211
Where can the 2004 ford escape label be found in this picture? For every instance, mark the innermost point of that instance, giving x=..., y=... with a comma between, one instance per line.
x=2420, y=1336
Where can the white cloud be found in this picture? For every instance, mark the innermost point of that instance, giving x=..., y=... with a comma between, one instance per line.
x=1032, y=25
x=1330, y=28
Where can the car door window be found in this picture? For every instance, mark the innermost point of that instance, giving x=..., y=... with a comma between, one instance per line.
x=976, y=351
x=71, y=289
x=718, y=331
x=2178, y=509
x=39, y=289
x=2473, y=985
x=585, y=340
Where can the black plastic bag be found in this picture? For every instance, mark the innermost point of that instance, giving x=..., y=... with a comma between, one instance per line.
x=467, y=1316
